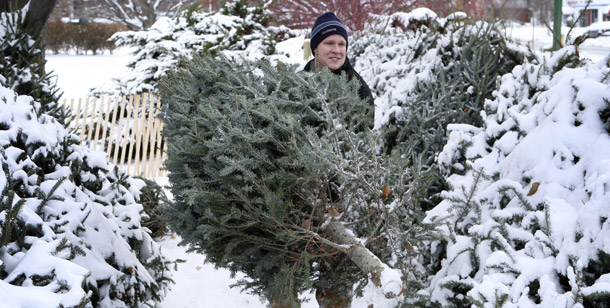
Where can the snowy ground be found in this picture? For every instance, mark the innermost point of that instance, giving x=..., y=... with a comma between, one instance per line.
x=198, y=284
x=540, y=38
x=77, y=74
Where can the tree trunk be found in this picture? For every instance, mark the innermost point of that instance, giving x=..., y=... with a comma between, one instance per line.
x=380, y=274
x=36, y=19
x=281, y=302
x=328, y=298
x=38, y=13
x=148, y=16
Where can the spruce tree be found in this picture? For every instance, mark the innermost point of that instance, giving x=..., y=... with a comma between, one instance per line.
x=70, y=223
x=276, y=173
x=428, y=73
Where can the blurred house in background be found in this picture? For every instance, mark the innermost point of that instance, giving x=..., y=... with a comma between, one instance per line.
x=597, y=10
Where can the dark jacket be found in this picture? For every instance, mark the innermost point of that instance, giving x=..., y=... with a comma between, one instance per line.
x=364, y=92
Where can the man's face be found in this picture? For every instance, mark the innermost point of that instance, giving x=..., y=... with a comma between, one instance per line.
x=331, y=52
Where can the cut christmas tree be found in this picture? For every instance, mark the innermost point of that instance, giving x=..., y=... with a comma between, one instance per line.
x=276, y=173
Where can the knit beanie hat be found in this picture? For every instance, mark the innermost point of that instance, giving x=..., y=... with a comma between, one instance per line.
x=326, y=25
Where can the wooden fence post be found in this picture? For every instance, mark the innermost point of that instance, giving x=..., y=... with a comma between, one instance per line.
x=105, y=126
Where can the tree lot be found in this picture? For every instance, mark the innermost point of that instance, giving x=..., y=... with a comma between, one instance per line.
x=495, y=208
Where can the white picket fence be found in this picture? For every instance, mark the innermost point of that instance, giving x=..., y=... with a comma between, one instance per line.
x=127, y=128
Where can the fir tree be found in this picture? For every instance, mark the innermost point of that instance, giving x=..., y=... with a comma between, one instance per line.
x=522, y=222
x=69, y=221
x=428, y=73
x=435, y=71
x=270, y=167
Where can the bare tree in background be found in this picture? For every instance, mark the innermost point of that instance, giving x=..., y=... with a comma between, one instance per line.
x=138, y=14
x=301, y=14
x=211, y=5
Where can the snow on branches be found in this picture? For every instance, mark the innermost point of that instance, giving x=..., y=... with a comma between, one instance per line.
x=70, y=223
x=526, y=218
x=237, y=30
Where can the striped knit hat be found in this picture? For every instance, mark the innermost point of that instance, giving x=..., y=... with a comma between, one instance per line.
x=326, y=25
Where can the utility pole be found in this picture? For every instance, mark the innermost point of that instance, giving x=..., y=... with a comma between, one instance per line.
x=557, y=16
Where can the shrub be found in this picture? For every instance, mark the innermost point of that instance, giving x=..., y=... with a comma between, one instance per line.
x=81, y=37
x=58, y=38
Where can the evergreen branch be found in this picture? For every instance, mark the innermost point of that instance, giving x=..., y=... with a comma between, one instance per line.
x=49, y=196
x=12, y=212
x=469, y=197
x=317, y=237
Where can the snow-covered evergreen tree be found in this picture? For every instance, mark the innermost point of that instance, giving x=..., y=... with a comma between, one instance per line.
x=429, y=72
x=526, y=221
x=70, y=222
x=237, y=30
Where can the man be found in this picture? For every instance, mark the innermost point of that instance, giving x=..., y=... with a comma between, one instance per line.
x=329, y=47
x=328, y=43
